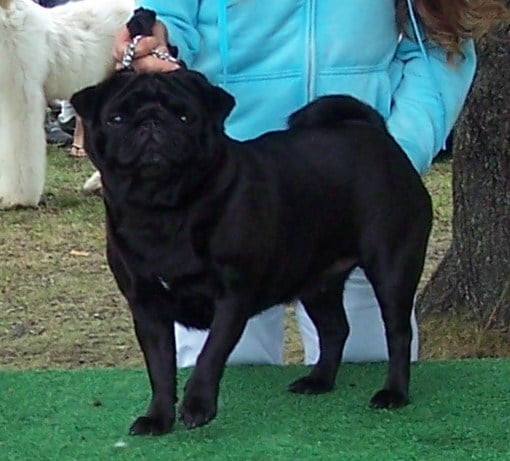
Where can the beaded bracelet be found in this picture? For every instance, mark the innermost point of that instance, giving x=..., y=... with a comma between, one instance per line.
x=165, y=56
x=129, y=54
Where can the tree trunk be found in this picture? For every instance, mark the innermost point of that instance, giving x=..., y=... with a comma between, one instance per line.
x=474, y=276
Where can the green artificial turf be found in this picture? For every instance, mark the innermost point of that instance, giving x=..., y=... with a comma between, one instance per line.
x=460, y=410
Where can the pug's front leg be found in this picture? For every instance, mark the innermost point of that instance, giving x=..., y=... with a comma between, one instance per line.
x=199, y=404
x=157, y=341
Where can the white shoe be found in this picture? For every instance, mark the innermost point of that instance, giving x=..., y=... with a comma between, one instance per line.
x=93, y=184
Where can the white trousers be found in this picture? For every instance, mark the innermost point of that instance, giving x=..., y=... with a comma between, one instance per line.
x=262, y=340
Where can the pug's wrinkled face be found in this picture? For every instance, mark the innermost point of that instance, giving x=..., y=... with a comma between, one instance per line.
x=152, y=126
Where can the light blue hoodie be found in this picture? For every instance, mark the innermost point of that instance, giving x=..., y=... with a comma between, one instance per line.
x=276, y=55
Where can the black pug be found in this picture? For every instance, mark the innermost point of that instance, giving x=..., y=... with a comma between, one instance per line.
x=209, y=231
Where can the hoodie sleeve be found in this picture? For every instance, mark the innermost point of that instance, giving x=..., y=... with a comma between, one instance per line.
x=428, y=98
x=179, y=17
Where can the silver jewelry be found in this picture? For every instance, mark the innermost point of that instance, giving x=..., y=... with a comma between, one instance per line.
x=129, y=52
x=164, y=55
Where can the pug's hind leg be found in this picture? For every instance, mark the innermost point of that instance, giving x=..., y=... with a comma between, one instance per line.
x=325, y=309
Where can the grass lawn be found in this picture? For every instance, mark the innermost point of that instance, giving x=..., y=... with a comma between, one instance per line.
x=459, y=411
x=60, y=306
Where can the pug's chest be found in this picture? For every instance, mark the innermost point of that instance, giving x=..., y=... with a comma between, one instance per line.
x=151, y=248
x=168, y=274
x=190, y=298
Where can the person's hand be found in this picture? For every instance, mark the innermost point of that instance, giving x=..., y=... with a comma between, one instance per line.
x=143, y=60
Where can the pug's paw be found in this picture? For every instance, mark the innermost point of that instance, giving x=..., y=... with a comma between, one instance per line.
x=196, y=411
x=387, y=398
x=151, y=425
x=310, y=385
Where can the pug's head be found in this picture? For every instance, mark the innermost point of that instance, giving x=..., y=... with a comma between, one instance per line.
x=153, y=128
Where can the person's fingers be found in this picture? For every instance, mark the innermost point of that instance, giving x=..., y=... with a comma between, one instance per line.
x=145, y=46
x=143, y=60
x=122, y=39
x=159, y=31
x=154, y=64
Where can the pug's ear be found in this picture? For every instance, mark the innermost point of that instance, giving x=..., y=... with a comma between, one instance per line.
x=85, y=102
x=220, y=102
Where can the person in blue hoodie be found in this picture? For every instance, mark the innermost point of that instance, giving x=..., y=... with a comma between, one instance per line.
x=414, y=61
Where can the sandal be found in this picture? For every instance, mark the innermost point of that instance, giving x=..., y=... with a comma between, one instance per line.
x=77, y=151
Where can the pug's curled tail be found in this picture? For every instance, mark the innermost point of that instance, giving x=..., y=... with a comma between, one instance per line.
x=332, y=110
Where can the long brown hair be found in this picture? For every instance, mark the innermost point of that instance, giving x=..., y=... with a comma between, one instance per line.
x=448, y=22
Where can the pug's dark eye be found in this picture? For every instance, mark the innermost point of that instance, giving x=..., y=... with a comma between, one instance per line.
x=183, y=118
x=115, y=120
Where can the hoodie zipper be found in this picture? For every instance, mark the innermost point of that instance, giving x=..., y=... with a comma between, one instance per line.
x=223, y=33
x=310, y=51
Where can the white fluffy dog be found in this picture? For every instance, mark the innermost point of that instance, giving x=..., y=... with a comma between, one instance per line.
x=46, y=54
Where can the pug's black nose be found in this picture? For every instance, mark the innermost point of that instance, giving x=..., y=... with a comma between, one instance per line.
x=149, y=124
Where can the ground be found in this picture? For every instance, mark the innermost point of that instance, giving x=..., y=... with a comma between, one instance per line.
x=60, y=306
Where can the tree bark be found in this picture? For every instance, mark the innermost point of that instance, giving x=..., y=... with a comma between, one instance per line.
x=474, y=276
